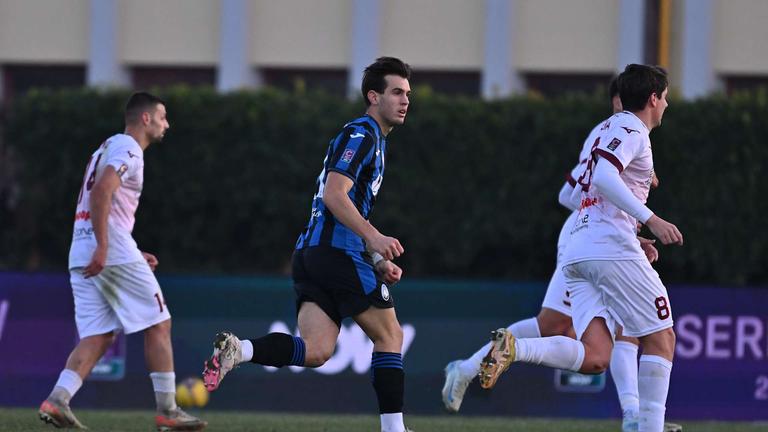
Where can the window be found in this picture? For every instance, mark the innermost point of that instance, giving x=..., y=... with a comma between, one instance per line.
x=144, y=77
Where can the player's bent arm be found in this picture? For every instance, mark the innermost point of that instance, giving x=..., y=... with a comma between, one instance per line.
x=101, y=201
x=335, y=197
x=606, y=178
x=565, y=197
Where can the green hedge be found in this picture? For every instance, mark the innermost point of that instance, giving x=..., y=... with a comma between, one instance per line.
x=470, y=188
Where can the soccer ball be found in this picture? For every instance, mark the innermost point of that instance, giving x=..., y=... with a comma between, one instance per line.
x=191, y=393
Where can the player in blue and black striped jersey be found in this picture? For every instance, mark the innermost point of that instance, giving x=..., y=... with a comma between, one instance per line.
x=342, y=264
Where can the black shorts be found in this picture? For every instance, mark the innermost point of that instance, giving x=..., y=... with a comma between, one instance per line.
x=343, y=283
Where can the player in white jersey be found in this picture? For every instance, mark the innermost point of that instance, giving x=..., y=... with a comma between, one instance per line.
x=554, y=317
x=607, y=274
x=112, y=280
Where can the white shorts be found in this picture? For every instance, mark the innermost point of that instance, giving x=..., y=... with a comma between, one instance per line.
x=124, y=297
x=628, y=293
x=557, y=296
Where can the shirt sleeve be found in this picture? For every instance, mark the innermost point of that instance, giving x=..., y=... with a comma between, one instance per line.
x=619, y=146
x=125, y=159
x=354, y=151
x=607, y=180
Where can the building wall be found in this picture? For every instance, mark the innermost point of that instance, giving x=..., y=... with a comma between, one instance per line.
x=169, y=32
x=43, y=31
x=740, y=36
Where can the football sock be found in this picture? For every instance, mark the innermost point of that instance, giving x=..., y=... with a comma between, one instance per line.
x=624, y=372
x=164, y=384
x=560, y=352
x=278, y=350
x=527, y=328
x=653, y=384
x=246, y=350
x=68, y=384
x=388, y=382
x=392, y=422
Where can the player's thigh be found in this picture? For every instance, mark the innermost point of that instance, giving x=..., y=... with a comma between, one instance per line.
x=93, y=313
x=134, y=294
x=382, y=327
x=318, y=330
x=587, y=301
x=634, y=291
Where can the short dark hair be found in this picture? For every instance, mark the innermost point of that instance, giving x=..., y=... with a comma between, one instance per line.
x=613, y=87
x=638, y=82
x=138, y=103
x=373, y=77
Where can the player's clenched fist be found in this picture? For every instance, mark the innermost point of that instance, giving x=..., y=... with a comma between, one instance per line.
x=388, y=247
x=664, y=231
x=390, y=273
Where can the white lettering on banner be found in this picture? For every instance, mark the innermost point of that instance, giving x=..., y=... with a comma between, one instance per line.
x=720, y=337
x=353, y=348
x=4, y=306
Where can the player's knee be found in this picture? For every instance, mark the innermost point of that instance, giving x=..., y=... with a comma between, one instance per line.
x=595, y=362
x=317, y=356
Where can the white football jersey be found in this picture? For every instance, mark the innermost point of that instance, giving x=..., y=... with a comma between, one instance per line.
x=125, y=155
x=601, y=230
x=586, y=149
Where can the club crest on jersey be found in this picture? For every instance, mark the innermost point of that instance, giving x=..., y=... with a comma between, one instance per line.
x=384, y=292
x=120, y=171
x=348, y=155
x=614, y=144
x=630, y=130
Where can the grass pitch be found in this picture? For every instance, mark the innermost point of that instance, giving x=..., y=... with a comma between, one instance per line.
x=25, y=419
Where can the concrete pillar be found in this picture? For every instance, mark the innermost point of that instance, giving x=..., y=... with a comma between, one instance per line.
x=631, y=46
x=697, y=76
x=235, y=70
x=104, y=67
x=365, y=40
x=499, y=77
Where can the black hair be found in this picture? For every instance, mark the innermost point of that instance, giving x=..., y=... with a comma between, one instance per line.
x=638, y=82
x=613, y=87
x=138, y=103
x=373, y=77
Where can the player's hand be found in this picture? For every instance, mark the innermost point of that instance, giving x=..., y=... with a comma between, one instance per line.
x=97, y=263
x=390, y=273
x=388, y=247
x=650, y=250
x=654, y=181
x=151, y=260
x=664, y=231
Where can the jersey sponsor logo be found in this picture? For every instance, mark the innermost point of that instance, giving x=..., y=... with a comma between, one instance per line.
x=384, y=292
x=348, y=155
x=123, y=168
x=357, y=135
x=629, y=130
x=353, y=349
x=614, y=144
x=588, y=202
x=82, y=215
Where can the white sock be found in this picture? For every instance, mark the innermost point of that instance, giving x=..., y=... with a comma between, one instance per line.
x=392, y=422
x=164, y=384
x=653, y=385
x=624, y=373
x=527, y=328
x=559, y=352
x=246, y=350
x=68, y=384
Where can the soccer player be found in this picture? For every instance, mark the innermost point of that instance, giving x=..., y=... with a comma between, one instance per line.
x=342, y=264
x=607, y=274
x=555, y=315
x=112, y=280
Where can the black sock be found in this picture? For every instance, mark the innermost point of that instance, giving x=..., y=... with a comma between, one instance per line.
x=278, y=349
x=388, y=381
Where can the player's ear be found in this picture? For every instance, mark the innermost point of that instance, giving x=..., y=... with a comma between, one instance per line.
x=146, y=117
x=373, y=97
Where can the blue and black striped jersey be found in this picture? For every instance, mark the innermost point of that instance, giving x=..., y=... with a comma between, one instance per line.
x=358, y=153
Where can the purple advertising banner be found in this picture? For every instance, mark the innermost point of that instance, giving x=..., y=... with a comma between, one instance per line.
x=720, y=369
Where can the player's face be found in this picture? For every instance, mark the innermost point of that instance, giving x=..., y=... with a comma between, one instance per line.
x=658, y=110
x=392, y=105
x=158, y=124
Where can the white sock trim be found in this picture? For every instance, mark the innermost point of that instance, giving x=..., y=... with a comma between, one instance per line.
x=656, y=359
x=70, y=381
x=392, y=422
x=527, y=328
x=579, y=358
x=246, y=350
x=163, y=381
x=624, y=345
